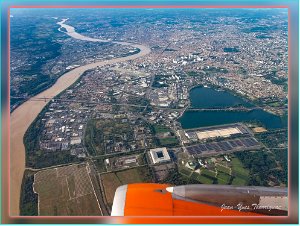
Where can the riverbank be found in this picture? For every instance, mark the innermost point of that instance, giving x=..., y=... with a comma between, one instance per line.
x=22, y=117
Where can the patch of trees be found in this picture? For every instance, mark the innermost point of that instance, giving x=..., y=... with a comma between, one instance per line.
x=32, y=135
x=262, y=167
x=41, y=159
x=273, y=139
x=28, y=199
x=175, y=178
x=281, y=155
x=93, y=138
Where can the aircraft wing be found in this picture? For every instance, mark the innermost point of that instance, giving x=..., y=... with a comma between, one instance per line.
x=198, y=200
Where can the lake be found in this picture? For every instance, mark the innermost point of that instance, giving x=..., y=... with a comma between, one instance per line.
x=202, y=97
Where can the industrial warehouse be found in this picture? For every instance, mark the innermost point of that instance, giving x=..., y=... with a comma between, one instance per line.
x=217, y=131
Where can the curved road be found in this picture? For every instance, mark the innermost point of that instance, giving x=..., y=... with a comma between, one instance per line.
x=24, y=115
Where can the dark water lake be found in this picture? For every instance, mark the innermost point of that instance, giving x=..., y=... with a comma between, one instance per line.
x=202, y=97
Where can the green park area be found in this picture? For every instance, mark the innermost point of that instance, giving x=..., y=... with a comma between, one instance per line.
x=165, y=136
x=218, y=171
x=100, y=132
x=161, y=129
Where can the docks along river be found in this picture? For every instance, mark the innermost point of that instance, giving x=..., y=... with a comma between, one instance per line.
x=202, y=97
x=22, y=117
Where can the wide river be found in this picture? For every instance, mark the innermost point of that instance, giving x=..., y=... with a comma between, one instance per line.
x=24, y=115
x=202, y=97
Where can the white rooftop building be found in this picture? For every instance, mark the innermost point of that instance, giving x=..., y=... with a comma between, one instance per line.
x=159, y=155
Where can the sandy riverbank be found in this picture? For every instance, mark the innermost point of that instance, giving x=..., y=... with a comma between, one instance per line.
x=24, y=115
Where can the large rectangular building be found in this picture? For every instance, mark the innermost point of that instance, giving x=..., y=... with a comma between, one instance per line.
x=216, y=131
x=226, y=132
x=159, y=155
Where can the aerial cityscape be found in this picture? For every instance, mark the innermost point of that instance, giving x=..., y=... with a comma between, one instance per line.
x=101, y=98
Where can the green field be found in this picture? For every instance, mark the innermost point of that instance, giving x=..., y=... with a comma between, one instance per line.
x=218, y=171
x=202, y=179
x=238, y=170
x=223, y=178
x=239, y=181
x=223, y=168
x=208, y=173
x=131, y=176
x=185, y=172
x=168, y=141
x=161, y=129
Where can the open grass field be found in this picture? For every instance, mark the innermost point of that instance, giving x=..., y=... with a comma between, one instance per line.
x=208, y=173
x=217, y=171
x=185, y=172
x=161, y=129
x=223, y=168
x=130, y=176
x=66, y=191
x=202, y=179
x=111, y=181
x=223, y=178
x=239, y=181
x=238, y=170
x=168, y=141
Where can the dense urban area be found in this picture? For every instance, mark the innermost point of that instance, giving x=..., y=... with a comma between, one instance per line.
x=207, y=105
